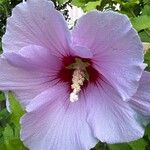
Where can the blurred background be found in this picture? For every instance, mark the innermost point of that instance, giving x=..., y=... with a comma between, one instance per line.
x=139, y=13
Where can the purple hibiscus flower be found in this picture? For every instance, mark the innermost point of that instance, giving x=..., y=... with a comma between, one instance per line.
x=77, y=86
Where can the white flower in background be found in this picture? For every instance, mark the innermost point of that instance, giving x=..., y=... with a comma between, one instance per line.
x=74, y=14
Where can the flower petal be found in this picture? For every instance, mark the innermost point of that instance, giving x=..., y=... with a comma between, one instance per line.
x=58, y=123
x=112, y=120
x=28, y=75
x=117, y=49
x=37, y=22
x=141, y=100
x=81, y=51
x=36, y=58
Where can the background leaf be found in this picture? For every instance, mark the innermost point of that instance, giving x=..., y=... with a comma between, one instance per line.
x=141, y=22
x=140, y=144
x=120, y=147
x=91, y=5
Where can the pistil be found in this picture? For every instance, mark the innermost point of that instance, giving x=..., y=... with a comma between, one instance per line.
x=77, y=82
x=79, y=76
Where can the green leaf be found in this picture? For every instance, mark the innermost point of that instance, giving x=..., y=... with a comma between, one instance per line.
x=15, y=144
x=11, y=133
x=146, y=10
x=140, y=144
x=2, y=143
x=16, y=109
x=83, y=3
x=146, y=1
x=91, y=5
x=141, y=22
x=79, y=3
x=62, y=1
x=2, y=98
x=144, y=36
x=147, y=131
x=4, y=117
x=8, y=134
x=147, y=60
x=100, y=146
x=122, y=146
x=12, y=142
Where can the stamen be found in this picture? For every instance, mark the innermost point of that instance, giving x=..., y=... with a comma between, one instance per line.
x=77, y=82
x=80, y=74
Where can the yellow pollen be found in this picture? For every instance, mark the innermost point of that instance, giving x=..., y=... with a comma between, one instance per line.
x=77, y=82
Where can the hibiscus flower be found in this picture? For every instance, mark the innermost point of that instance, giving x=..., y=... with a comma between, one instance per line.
x=78, y=86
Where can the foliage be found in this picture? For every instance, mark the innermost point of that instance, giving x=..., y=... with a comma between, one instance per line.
x=139, y=13
x=9, y=125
